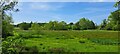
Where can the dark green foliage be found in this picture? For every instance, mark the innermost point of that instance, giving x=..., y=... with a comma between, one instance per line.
x=114, y=20
x=24, y=26
x=62, y=25
x=15, y=44
x=82, y=42
x=52, y=25
x=41, y=44
x=85, y=24
x=116, y=4
x=10, y=6
x=70, y=26
x=55, y=25
x=12, y=45
x=7, y=28
x=103, y=25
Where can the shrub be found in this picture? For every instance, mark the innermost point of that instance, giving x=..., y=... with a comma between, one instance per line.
x=24, y=26
x=81, y=41
x=11, y=45
x=56, y=50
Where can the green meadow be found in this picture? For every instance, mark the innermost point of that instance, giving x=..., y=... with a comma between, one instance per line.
x=70, y=41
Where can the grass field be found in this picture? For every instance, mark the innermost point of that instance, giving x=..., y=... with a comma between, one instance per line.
x=71, y=41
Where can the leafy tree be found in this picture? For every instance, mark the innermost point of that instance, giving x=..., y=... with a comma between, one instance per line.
x=116, y=4
x=91, y=25
x=35, y=26
x=6, y=5
x=55, y=25
x=30, y=23
x=62, y=25
x=85, y=24
x=114, y=16
x=24, y=26
x=52, y=25
x=76, y=26
x=114, y=19
x=103, y=24
x=109, y=26
x=49, y=26
x=7, y=27
x=70, y=26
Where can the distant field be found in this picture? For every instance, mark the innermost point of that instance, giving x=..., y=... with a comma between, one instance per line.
x=71, y=41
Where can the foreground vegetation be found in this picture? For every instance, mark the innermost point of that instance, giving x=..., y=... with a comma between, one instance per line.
x=66, y=41
x=75, y=41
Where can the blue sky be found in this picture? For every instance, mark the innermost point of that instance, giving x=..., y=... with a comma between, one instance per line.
x=62, y=11
x=68, y=0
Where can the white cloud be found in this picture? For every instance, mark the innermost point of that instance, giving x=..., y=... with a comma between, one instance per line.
x=45, y=6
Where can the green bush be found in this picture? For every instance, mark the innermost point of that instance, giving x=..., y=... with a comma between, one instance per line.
x=24, y=26
x=11, y=45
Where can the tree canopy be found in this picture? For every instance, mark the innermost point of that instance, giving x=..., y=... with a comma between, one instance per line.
x=7, y=5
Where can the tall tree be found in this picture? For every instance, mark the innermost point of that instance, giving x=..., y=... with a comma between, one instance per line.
x=62, y=25
x=6, y=5
x=92, y=25
x=117, y=4
x=50, y=25
x=24, y=26
x=84, y=24
x=114, y=18
x=70, y=25
x=103, y=24
x=35, y=26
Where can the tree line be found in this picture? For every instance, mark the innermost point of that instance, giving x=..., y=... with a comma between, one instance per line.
x=82, y=24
